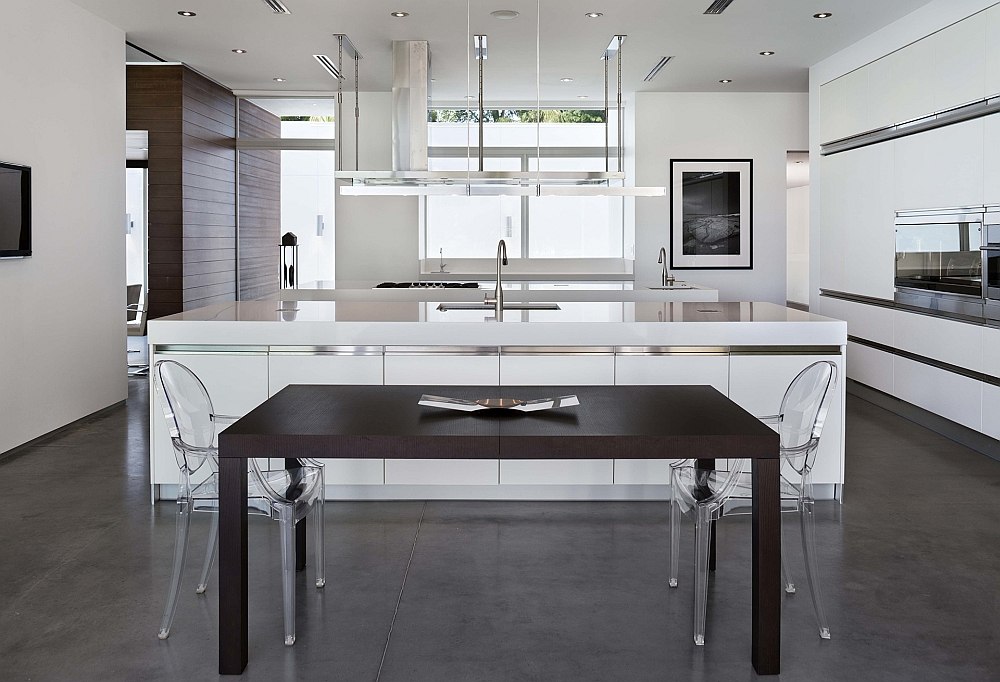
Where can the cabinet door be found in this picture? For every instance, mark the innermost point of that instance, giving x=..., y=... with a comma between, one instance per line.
x=881, y=109
x=867, y=220
x=993, y=51
x=910, y=93
x=940, y=168
x=834, y=211
x=425, y=367
x=665, y=370
x=950, y=395
x=757, y=383
x=959, y=74
x=991, y=184
x=286, y=368
x=237, y=383
x=568, y=368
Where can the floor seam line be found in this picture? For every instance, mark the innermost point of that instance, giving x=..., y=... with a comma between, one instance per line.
x=399, y=598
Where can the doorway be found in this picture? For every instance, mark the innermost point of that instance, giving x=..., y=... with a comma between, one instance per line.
x=797, y=230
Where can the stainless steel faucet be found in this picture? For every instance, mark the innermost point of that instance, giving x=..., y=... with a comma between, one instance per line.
x=666, y=278
x=497, y=300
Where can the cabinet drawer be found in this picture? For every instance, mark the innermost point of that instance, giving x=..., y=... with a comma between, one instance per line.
x=556, y=472
x=322, y=369
x=441, y=369
x=551, y=369
x=668, y=370
x=952, y=396
x=442, y=471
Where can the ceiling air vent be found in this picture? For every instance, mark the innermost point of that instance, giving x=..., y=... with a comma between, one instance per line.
x=278, y=7
x=328, y=64
x=656, y=68
x=717, y=7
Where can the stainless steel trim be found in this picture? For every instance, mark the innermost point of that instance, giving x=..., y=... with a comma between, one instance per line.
x=784, y=350
x=557, y=350
x=966, y=112
x=463, y=176
x=443, y=350
x=974, y=318
x=965, y=214
x=672, y=350
x=185, y=349
x=325, y=350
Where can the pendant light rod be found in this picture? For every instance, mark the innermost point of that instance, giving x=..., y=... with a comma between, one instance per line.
x=357, y=112
x=340, y=103
x=480, y=51
x=607, y=123
x=621, y=119
x=613, y=50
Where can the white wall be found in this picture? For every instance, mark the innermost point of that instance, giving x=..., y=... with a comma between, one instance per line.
x=758, y=126
x=62, y=335
x=797, y=287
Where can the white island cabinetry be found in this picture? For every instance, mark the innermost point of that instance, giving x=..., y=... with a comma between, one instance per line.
x=749, y=351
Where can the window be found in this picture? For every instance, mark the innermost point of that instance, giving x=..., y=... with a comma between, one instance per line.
x=533, y=227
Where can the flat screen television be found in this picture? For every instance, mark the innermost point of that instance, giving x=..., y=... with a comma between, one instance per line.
x=15, y=211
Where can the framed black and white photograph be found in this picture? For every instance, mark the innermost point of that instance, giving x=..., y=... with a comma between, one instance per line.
x=711, y=209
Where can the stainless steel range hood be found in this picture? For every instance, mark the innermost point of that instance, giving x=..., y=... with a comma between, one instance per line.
x=410, y=174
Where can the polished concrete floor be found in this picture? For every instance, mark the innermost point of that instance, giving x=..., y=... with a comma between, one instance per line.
x=500, y=591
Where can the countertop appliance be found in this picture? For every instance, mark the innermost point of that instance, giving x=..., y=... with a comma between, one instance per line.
x=939, y=260
x=427, y=285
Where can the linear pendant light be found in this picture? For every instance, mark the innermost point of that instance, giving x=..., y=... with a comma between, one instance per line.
x=277, y=6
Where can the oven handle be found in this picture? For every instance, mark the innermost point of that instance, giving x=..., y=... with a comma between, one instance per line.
x=990, y=247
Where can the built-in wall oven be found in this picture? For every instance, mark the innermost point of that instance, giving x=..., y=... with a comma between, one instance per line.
x=991, y=262
x=940, y=259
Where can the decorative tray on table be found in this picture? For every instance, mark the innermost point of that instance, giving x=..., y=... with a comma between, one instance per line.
x=499, y=403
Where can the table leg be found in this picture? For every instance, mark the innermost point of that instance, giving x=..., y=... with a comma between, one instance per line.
x=707, y=465
x=293, y=465
x=233, y=633
x=766, y=573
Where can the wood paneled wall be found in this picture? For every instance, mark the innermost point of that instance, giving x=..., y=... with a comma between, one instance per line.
x=260, y=205
x=192, y=185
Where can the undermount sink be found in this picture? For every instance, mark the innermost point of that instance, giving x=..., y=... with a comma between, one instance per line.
x=445, y=307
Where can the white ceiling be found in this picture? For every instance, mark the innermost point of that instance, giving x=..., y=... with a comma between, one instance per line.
x=706, y=48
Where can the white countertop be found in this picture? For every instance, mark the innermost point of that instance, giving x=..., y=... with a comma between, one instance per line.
x=414, y=322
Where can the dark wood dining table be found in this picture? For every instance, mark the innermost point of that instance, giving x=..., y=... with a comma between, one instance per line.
x=611, y=422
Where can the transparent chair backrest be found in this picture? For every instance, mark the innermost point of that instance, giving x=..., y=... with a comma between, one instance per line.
x=188, y=410
x=803, y=411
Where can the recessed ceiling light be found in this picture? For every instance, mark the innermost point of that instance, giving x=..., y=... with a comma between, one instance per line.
x=279, y=80
x=594, y=15
x=823, y=15
x=240, y=51
x=726, y=80
x=503, y=14
x=766, y=53
x=399, y=15
x=566, y=80
x=185, y=13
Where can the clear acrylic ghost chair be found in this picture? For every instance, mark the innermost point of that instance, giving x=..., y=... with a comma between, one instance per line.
x=799, y=424
x=283, y=495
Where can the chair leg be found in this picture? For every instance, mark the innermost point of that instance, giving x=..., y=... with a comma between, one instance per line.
x=210, y=553
x=702, y=541
x=675, y=539
x=812, y=575
x=789, y=586
x=318, y=541
x=287, y=520
x=180, y=551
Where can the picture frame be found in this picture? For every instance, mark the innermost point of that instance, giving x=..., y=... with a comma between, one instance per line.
x=711, y=214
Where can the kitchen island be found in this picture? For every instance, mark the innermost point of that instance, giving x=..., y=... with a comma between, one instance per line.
x=248, y=351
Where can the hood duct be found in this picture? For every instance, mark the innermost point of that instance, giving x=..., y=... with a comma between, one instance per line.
x=411, y=62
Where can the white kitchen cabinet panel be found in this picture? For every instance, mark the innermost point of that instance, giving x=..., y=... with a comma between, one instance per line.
x=441, y=369
x=323, y=369
x=940, y=168
x=869, y=366
x=833, y=211
x=991, y=179
x=643, y=471
x=832, y=110
x=991, y=410
x=881, y=109
x=993, y=50
x=956, y=343
x=757, y=383
x=844, y=106
x=551, y=369
x=556, y=472
x=330, y=368
x=950, y=395
x=870, y=322
x=237, y=383
x=868, y=217
x=911, y=94
x=959, y=74
x=671, y=370
x=991, y=352
x=442, y=471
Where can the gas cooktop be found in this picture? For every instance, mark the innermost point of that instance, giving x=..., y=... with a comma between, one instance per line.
x=428, y=285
